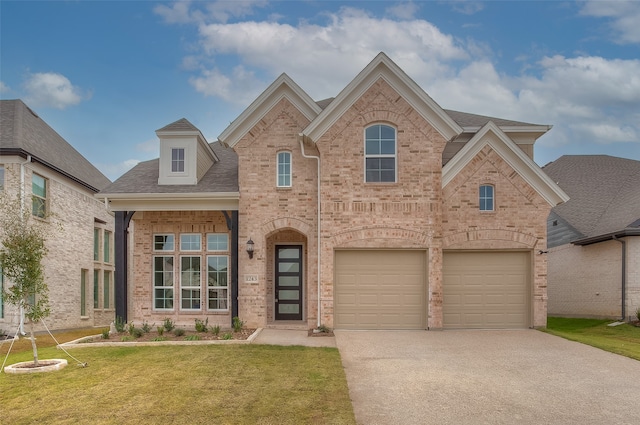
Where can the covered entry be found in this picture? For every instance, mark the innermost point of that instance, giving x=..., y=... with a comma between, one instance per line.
x=380, y=289
x=486, y=290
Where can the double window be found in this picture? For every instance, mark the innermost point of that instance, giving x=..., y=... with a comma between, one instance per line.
x=284, y=169
x=380, y=154
x=200, y=275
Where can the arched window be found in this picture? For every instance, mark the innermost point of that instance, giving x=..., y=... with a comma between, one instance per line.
x=486, y=198
x=380, y=154
x=284, y=169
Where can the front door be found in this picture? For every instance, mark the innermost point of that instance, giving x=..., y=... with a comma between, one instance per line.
x=288, y=286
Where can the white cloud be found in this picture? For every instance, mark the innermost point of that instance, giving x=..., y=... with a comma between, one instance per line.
x=52, y=90
x=405, y=10
x=151, y=146
x=467, y=7
x=4, y=88
x=624, y=17
x=241, y=87
x=181, y=12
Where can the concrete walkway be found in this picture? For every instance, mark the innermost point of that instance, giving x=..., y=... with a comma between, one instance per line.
x=293, y=337
x=486, y=377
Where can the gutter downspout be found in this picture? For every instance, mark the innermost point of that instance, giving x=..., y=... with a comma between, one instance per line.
x=317, y=158
x=624, y=276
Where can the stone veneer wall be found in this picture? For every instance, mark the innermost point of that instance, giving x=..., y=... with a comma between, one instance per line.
x=70, y=248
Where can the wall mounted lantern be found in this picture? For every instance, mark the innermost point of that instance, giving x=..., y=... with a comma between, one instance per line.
x=250, y=248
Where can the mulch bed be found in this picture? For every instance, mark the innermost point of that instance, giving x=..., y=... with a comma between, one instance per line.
x=171, y=336
x=320, y=334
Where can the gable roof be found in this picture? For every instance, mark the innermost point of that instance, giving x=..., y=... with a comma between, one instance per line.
x=490, y=134
x=183, y=127
x=383, y=67
x=283, y=87
x=23, y=132
x=605, y=195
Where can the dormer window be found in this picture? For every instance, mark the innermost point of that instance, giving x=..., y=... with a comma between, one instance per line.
x=177, y=160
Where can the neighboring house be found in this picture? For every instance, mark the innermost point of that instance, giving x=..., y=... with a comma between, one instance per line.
x=594, y=239
x=58, y=186
x=373, y=210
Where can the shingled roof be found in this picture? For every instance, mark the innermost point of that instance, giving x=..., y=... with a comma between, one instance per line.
x=604, y=192
x=143, y=178
x=23, y=132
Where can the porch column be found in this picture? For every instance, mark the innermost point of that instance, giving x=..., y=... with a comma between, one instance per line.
x=232, y=224
x=122, y=220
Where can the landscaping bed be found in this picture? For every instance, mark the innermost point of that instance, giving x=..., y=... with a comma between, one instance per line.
x=184, y=335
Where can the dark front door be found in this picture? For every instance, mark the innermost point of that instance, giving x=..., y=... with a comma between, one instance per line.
x=288, y=282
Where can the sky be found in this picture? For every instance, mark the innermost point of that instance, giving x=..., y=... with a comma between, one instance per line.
x=107, y=74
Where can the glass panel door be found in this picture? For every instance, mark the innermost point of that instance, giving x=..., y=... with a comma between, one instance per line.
x=288, y=288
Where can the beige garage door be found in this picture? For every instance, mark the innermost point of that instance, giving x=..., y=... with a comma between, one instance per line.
x=380, y=289
x=486, y=290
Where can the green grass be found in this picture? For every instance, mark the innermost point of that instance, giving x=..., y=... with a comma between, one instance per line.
x=221, y=384
x=623, y=339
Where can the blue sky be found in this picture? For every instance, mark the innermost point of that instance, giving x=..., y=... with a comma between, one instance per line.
x=107, y=74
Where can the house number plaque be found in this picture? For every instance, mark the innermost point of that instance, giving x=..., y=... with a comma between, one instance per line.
x=250, y=278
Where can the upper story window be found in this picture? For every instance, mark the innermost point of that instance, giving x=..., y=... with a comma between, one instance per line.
x=39, y=198
x=1, y=177
x=284, y=169
x=486, y=198
x=380, y=154
x=96, y=244
x=177, y=160
x=107, y=247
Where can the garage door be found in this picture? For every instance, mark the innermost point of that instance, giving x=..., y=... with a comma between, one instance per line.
x=486, y=290
x=380, y=289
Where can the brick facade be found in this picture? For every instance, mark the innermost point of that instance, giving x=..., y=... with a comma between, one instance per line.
x=413, y=213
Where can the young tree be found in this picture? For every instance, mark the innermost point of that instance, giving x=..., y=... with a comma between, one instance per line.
x=22, y=249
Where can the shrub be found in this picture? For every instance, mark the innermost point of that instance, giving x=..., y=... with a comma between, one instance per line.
x=178, y=332
x=132, y=327
x=137, y=332
x=227, y=335
x=119, y=324
x=237, y=324
x=146, y=327
x=201, y=326
x=159, y=338
x=105, y=334
x=193, y=338
x=638, y=313
x=160, y=330
x=168, y=325
x=324, y=329
x=215, y=330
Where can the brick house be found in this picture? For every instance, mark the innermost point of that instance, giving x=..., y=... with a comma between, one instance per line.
x=594, y=238
x=55, y=179
x=376, y=209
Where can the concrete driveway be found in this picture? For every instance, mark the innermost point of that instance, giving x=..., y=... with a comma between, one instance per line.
x=486, y=377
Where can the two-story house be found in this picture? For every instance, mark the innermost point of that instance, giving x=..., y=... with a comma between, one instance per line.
x=376, y=209
x=57, y=184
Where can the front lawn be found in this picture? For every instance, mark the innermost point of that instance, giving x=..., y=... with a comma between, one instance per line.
x=221, y=384
x=623, y=339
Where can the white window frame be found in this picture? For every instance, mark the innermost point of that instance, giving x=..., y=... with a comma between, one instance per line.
x=164, y=235
x=177, y=162
x=216, y=249
x=191, y=288
x=380, y=155
x=481, y=198
x=212, y=289
x=164, y=273
x=287, y=175
x=188, y=243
